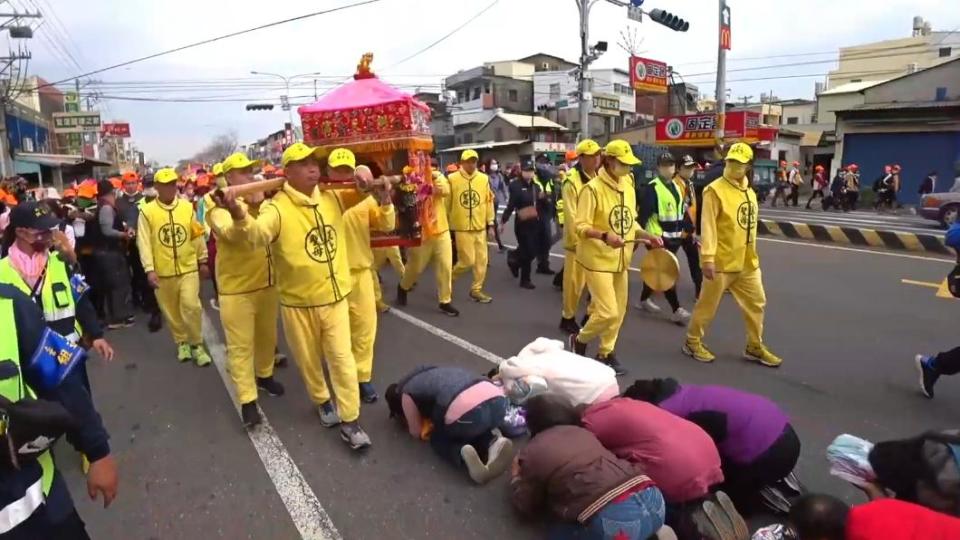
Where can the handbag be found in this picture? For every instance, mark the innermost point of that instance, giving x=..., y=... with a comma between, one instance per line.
x=527, y=213
x=29, y=427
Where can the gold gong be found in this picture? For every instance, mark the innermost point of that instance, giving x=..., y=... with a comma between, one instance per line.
x=659, y=269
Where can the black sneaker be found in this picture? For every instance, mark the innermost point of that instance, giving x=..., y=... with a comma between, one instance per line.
x=401, y=296
x=354, y=436
x=129, y=321
x=514, y=267
x=368, y=394
x=250, y=414
x=527, y=285
x=583, y=321
x=576, y=346
x=449, y=310
x=270, y=386
x=558, y=281
x=928, y=377
x=611, y=360
x=545, y=270
x=569, y=326
x=155, y=323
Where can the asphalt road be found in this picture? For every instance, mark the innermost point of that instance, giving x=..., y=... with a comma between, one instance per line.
x=843, y=320
x=864, y=219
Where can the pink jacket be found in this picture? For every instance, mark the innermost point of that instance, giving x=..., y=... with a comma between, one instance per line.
x=677, y=454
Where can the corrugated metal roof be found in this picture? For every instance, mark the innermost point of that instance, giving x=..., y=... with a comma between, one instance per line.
x=483, y=145
x=851, y=87
x=894, y=105
x=524, y=121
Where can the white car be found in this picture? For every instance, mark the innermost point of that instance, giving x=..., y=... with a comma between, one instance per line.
x=942, y=207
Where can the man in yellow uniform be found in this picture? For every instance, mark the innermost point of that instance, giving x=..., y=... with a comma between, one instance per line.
x=588, y=152
x=382, y=256
x=174, y=255
x=304, y=228
x=607, y=229
x=471, y=216
x=249, y=302
x=437, y=249
x=371, y=214
x=728, y=254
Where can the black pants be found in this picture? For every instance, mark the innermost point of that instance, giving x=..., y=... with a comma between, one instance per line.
x=529, y=236
x=115, y=283
x=473, y=428
x=947, y=363
x=140, y=291
x=816, y=193
x=90, y=271
x=851, y=202
x=544, y=241
x=496, y=230
x=780, y=192
x=794, y=196
x=39, y=528
x=743, y=482
x=693, y=261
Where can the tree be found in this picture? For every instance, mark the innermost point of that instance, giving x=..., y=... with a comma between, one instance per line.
x=216, y=150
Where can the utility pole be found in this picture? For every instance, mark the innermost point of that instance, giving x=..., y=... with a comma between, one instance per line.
x=723, y=43
x=13, y=77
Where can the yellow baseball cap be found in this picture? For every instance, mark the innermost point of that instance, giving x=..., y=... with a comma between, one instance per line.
x=587, y=147
x=740, y=152
x=621, y=150
x=469, y=154
x=238, y=160
x=165, y=176
x=217, y=169
x=340, y=157
x=297, y=152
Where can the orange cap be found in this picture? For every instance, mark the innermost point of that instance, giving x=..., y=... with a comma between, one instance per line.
x=571, y=155
x=130, y=176
x=117, y=182
x=453, y=167
x=69, y=192
x=203, y=180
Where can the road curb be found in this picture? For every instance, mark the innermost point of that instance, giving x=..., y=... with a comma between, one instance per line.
x=856, y=236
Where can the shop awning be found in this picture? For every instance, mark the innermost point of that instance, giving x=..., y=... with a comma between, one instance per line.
x=59, y=160
x=484, y=145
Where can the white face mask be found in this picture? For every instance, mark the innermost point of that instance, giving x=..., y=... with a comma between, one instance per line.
x=494, y=167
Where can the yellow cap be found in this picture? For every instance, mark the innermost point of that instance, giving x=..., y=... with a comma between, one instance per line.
x=740, y=152
x=238, y=160
x=340, y=157
x=297, y=152
x=621, y=150
x=165, y=176
x=217, y=169
x=588, y=147
x=469, y=154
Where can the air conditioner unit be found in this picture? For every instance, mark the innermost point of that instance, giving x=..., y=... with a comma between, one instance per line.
x=913, y=67
x=544, y=66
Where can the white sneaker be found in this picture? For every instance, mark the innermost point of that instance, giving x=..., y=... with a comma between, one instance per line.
x=215, y=304
x=649, y=306
x=680, y=317
x=499, y=457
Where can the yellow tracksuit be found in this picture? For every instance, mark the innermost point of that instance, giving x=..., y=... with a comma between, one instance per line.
x=728, y=234
x=606, y=204
x=573, y=279
x=249, y=302
x=358, y=222
x=382, y=256
x=170, y=241
x=437, y=249
x=471, y=214
x=309, y=251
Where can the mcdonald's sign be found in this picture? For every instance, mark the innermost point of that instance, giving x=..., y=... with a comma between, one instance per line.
x=725, y=39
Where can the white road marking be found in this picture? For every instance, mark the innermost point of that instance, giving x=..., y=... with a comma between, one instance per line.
x=841, y=248
x=302, y=504
x=447, y=336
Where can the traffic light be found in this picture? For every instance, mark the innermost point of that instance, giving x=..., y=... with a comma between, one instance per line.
x=259, y=107
x=669, y=20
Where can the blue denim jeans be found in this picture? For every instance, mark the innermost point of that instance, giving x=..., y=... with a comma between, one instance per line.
x=473, y=428
x=637, y=518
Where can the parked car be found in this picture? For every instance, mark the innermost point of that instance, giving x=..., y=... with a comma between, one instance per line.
x=942, y=207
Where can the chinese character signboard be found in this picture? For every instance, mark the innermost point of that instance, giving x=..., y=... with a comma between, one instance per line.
x=725, y=38
x=117, y=129
x=71, y=102
x=699, y=129
x=76, y=122
x=606, y=104
x=648, y=75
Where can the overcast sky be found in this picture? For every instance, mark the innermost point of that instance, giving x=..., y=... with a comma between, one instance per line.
x=99, y=33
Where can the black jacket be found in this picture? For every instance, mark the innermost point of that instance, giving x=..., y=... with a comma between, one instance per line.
x=522, y=195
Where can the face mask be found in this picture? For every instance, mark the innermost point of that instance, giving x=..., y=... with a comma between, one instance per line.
x=686, y=173
x=735, y=170
x=527, y=175
x=494, y=167
x=667, y=171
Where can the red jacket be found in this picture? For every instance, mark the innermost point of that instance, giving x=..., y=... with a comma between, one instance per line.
x=890, y=519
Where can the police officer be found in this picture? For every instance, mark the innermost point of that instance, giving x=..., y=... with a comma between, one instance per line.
x=526, y=198
x=34, y=500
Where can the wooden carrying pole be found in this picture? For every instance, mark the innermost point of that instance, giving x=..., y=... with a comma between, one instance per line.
x=262, y=186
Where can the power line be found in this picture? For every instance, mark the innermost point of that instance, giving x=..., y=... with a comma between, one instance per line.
x=445, y=36
x=212, y=40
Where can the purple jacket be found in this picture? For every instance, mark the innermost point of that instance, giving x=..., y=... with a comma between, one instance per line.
x=743, y=425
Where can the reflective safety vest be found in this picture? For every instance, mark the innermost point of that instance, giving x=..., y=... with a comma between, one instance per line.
x=35, y=478
x=56, y=295
x=546, y=188
x=560, y=211
x=668, y=220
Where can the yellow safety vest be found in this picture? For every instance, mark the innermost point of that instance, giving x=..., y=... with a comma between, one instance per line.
x=613, y=203
x=310, y=251
x=471, y=202
x=441, y=203
x=567, y=213
x=16, y=511
x=56, y=295
x=358, y=221
x=241, y=268
x=173, y=229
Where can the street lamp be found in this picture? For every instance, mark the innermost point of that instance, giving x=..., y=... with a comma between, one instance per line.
x=285, y=100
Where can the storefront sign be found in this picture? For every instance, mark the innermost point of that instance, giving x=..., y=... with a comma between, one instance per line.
x=76, y=122
x=539, y=146
x=648, y=75
x=117, y=129
x=699, y=129
x=725, y=37
x=71, y=102
x=606, y=104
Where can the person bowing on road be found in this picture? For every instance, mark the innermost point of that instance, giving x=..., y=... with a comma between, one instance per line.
x=729, y=259
x=607, y=226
